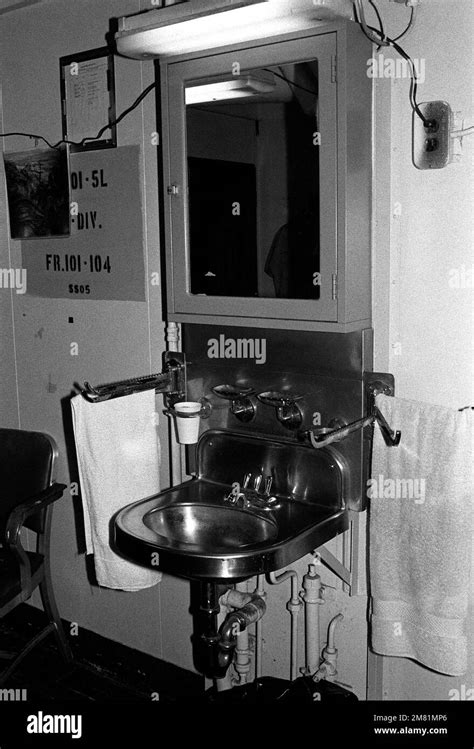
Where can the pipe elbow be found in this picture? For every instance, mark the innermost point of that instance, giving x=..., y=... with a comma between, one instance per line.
x=331, y=629
x=235, y=623
x=231, y=627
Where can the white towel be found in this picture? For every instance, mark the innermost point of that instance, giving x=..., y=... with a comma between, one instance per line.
x=118, y=455
x=421, y=534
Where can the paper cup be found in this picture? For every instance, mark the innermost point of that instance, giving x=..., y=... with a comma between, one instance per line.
x=187, y=421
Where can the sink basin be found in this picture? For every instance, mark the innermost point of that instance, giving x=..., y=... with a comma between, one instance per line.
x=205, y=527
x=193, y=531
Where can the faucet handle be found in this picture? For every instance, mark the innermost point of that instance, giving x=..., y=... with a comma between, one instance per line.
x=247, y=478
x=268, y=485
x=257, y=482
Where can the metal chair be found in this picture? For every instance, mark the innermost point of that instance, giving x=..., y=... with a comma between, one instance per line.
x=27, y=491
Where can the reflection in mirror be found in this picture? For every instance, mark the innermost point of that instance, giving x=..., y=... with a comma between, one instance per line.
x=253, y=177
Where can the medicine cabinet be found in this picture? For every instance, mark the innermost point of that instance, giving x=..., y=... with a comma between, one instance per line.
x=266, y=164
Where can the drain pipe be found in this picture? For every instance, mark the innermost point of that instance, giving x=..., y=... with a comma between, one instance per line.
x=208, y=631
x=236, y=622
x=312, y=600
x=293, y=606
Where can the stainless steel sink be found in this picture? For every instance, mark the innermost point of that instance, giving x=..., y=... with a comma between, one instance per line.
x=222, y=529
x=192, y=530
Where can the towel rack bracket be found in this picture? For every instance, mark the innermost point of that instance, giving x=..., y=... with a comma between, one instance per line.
x=375, y=383
x=171, y=382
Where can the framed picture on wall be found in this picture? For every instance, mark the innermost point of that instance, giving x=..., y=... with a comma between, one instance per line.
x=38, y=193
x=88, y=99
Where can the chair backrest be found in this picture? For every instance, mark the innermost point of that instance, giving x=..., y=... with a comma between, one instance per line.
x=26, y=468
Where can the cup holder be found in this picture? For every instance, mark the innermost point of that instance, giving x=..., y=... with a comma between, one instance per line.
x=187, y=417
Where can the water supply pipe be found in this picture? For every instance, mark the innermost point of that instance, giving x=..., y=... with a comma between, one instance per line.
x=242, y=651
x=172, y=343
x=226, y=682
x=260, y=592
x=312, y=600
x=328, y=667
x=293, y=606
x=331, y=629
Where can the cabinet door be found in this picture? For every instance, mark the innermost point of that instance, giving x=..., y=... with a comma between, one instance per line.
x=251, y=148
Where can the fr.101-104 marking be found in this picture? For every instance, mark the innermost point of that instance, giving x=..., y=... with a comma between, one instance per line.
x=78, y=263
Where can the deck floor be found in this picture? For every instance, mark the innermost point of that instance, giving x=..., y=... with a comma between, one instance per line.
x=103, y=671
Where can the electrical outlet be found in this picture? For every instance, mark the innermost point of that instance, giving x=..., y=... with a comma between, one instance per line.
x=432, y=145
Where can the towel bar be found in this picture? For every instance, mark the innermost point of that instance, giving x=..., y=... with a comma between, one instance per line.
x=171, y=382
x=373, y=388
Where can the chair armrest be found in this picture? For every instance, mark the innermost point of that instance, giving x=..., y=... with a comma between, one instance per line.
x=29, y=507
x=16, y=519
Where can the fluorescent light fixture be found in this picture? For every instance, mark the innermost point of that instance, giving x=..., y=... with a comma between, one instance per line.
x=240, y=87
x=201, y=24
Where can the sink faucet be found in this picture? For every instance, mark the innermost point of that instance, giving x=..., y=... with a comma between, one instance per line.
x=236, y=494
x=252, y=497
x=243, y=499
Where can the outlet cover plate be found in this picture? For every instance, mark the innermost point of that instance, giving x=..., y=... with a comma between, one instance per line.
x=432, y=148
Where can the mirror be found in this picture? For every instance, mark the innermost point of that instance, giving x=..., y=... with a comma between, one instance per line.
x=253, y=179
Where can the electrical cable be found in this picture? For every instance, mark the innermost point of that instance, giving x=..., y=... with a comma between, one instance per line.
x=360, y=18
x=118, y=119
x=29, y=135
x=290, y=83
x=129, y=109
x=379, y=18
x=388, y=42
x=413, y=83
x=461, y=134
x=410, y=23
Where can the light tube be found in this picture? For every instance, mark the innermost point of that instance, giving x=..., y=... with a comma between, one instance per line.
x=235, y=88
x=226, y=27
